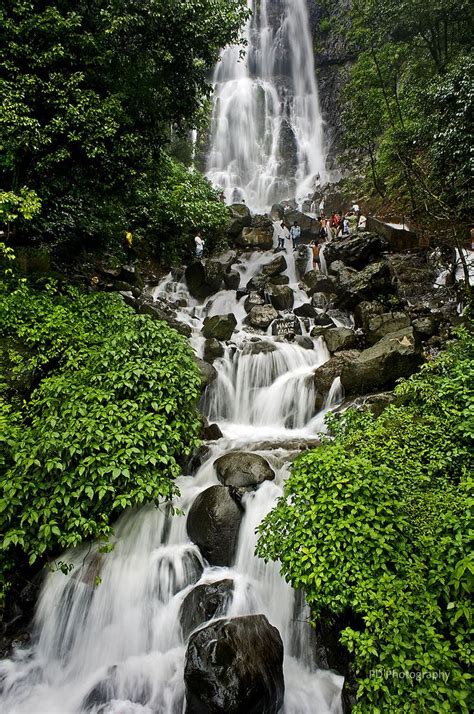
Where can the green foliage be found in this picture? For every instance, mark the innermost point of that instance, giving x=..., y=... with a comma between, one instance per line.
x=25, y=203
x=97, y=408
x=376, y=522
x=179, y=203
x=92, y=91
x=409, y=103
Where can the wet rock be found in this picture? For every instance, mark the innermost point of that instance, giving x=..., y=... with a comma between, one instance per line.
x=258, y=283
x=196, y=460
x=232, y=280
x=258, y=348
x=286, y=327
x=253, y=300
x=204, y=278
x=235, y=665
x=205, y=602
x=277, y=212
x=278, y=265
x=282, y=297
x=323, y=320
x=309, y=226
x=340, y=316
x=130, y=300
x=375, y=403
x=213, y=524
x=305, y=342
x=381, y=325
x=316, y=282
x=425, y=327
x=355, y=251
x=206, y=371
x=130, y=274
x=305, y=310
x=241, y=469
x=279, y=280
x=157, y=313
x=168, y=578
x=261, y=238
x=355, y=286
x=220, y=327
x=262, y=316
x=325, y=375
x=240, y=218
x=394, y=356
x=212, y=432
x=320, y=301
x=365, y=311
x=212, y=349
x=226, y=259
x=340, y=338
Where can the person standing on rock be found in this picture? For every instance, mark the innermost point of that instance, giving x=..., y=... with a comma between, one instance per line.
x=281, y=235
x=199, y=246
x=316, y=249
x=345, y=226
x=128, y=246
x=295, y=234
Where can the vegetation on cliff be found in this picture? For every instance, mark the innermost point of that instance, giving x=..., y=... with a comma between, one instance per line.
x=97, y=407
x=374, y=526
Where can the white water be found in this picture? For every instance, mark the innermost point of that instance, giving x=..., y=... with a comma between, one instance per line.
x=266, y=140
x=123, y=634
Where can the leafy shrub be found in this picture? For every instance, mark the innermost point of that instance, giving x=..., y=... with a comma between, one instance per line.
x=97, y=405
x=376, y=522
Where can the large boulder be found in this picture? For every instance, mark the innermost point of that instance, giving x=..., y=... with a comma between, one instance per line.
x=204, y=278
x=278, y=280
x=212, y=349
x=232, y=280
x=325, y=375
x=286, y=327
x=262, y=316
x=309, y=226
x=205, y=602
x=213, y=525
x=261, y=238
x=316, y=282
x=355, y=286
x=305, y=310
x=206, y=371
x=253, y=300
x=220, y=327
x=235, y=666
x=380, y=325
x=278, y=265
x=240, y=469
x=365, y=311
x=240, y=218
x=257, y=283
x=282, y=297
x=340, y=338
x=356, y=251
x=394, y=356
x=259, y=347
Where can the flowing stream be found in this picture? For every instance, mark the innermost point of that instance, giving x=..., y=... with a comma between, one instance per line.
x=266, y=139
x=117, y=647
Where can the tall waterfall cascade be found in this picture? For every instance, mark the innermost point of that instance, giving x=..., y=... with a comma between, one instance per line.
x=107, y=637
x=267, y=142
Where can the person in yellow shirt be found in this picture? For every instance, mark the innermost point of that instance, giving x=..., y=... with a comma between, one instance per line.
x=128, y=245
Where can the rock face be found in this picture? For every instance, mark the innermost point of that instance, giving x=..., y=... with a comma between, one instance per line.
x=340, y=338
x=204, y=603
x=220, y=327
x=204, y=278
x=325, y=375
x=235, y=666
x=309, y=226
x=206, y=371
x=213, y=525
x=262, y=316
x=380, y=325
x=212, y=349
x=278, y=265
x=355, y=286
x=394, y=356
x=256, y=238
x=356, y=251
x=316, y=282
x=240, y=469
x=240, y=218
x=282, y=297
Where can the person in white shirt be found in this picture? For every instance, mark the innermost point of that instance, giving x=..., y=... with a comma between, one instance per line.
x=356, y=211
x=199, y=246
x=281, y=235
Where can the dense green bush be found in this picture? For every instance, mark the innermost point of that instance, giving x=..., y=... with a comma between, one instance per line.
x=376, y=523
x=97, y=407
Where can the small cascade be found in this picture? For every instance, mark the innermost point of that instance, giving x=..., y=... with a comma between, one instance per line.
x=266, y=139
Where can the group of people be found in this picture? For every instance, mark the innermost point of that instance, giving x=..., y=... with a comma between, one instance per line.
x=293, y=234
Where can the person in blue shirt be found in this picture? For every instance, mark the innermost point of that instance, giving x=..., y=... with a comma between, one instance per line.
x=295, y=234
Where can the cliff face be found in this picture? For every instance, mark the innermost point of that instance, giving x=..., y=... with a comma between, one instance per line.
x=329, y=23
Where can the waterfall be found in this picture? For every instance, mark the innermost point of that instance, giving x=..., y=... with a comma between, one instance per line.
x=266, y=140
